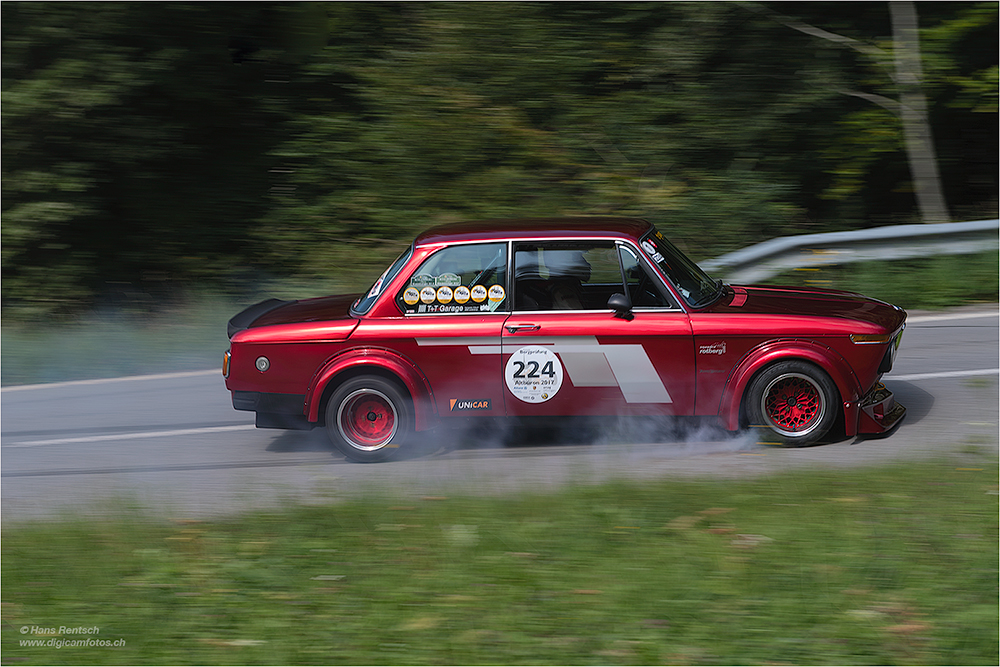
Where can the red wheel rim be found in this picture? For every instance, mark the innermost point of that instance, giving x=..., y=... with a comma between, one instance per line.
x=793, y=404
x=367, y=419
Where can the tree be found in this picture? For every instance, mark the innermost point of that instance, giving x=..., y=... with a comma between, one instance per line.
x=911, y=108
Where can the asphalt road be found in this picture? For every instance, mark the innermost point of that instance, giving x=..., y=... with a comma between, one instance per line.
x=173, y=445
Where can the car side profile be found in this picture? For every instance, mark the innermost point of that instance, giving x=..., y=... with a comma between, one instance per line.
x=561, y=317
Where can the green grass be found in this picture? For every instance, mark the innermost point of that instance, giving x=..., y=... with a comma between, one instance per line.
x=890, y=565
x=925, y=283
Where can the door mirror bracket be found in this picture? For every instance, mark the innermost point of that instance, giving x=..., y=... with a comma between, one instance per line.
x=622, y=306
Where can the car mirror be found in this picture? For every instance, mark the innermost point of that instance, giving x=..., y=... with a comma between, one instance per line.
x=622, y=306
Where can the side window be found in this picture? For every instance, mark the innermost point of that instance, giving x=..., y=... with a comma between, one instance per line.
x=565, y=275
x=643, y=289
x=460, y=279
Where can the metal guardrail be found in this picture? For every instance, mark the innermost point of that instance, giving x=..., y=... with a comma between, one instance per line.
x=761, y=261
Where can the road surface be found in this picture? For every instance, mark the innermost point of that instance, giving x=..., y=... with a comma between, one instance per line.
x=172, y=445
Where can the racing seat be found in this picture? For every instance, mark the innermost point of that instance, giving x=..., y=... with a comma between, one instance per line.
x=568, y=270
x=530, y=289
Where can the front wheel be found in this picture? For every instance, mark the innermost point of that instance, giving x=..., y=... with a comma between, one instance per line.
x=369, y=418
x=795, y=400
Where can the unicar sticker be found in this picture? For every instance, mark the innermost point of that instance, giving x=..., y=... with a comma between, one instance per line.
x=497, y=293
x=411, y=296
x=428, y=294
x=478, y=293
x=533, y=374
x=462, y=295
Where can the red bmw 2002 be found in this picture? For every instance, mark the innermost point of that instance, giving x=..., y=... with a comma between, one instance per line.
x=558, y=317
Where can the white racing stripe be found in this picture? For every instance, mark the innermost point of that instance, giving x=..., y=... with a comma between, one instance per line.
x=131, y=436
x=944, y=374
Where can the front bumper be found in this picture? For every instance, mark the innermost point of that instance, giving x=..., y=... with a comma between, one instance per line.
x=879, y=412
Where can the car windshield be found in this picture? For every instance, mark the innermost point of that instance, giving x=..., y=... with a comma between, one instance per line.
x=697, y=288
x=364, y=304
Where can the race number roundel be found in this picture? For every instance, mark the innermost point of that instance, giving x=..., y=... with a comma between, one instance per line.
x=533, y=374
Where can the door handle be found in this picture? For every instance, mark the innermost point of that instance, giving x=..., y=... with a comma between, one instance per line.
x=514, y=328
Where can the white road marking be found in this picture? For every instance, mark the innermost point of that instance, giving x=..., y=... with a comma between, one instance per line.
x=944, y=374
x=129, y=378
x=131, y=436
x=954, y=316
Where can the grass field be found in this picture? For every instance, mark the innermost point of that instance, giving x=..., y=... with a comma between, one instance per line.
x=889, y=565
x=925, y=283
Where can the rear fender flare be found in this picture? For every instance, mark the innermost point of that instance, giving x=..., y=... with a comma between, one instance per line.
x=783, y=350
x=379, y=361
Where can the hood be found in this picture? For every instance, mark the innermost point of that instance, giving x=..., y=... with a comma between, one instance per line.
x=801, y=301
x=324, y=318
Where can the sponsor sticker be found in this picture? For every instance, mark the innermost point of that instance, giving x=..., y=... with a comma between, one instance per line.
x=377, y=287
x=497, y=293
x=651, y=251
x=444, y=294
x=428, y=294
x=478, y=293
x=462, y=294
x=714, y=348
x=533, y=374
x=463, y=404
x=448, y=280
x=411, y=296
x=423, y=280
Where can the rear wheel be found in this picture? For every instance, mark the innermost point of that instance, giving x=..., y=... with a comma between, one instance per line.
x=795, y=400
x=369, y=418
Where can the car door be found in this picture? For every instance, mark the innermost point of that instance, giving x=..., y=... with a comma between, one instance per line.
x=454, y=306
x=565, y=352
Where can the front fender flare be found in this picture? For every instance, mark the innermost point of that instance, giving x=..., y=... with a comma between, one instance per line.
x=781, y=350
x=380, y=361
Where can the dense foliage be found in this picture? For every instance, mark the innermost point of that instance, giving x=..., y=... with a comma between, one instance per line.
x=163, y=144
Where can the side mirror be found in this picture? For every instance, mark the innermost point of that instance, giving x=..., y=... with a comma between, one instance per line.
x=622, y=306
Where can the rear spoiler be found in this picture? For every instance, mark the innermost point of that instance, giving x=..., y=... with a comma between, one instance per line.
x=246, y=317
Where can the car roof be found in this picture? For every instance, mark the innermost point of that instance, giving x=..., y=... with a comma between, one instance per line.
x=530, y=228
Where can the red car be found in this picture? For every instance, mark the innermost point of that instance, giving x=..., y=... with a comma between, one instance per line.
x=547, y=317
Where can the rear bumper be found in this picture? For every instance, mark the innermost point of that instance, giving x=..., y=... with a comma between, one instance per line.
x=274, y=410
x=878, y=411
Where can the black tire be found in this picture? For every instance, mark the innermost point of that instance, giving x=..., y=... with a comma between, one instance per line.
x=369, y=418
x=795, y=400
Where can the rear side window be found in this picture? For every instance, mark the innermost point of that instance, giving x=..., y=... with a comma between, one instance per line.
x=468, y=278
x=364, y=304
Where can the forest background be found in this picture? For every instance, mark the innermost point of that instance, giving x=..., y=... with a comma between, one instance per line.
x=149, y=148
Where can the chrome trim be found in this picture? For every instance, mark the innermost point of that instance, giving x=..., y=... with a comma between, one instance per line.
x=616, y=239
x=644, y=259
x=531, y=239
